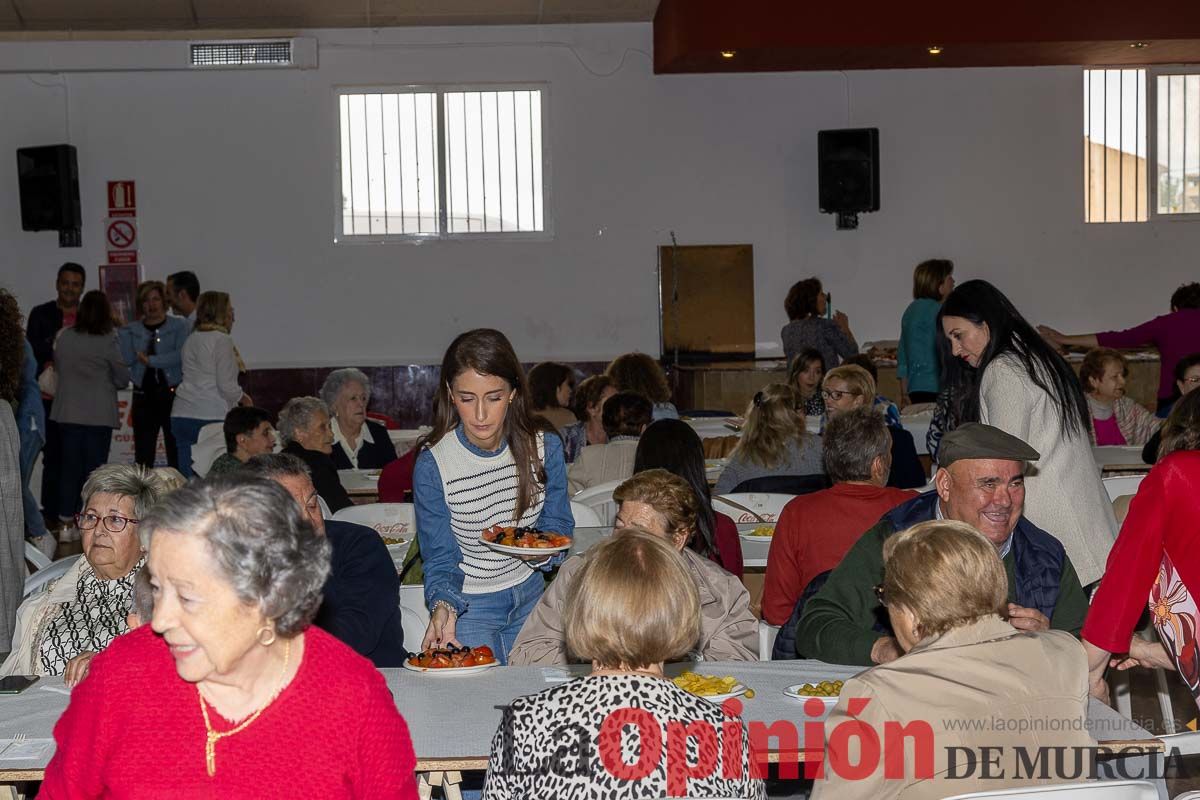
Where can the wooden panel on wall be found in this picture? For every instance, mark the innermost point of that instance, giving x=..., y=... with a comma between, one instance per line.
x=706, y=293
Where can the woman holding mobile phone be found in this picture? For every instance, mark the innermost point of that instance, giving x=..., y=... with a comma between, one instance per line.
x=806, y=307
x=488, y=461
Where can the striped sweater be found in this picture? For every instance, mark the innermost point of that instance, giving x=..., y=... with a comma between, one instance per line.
x=480, y=492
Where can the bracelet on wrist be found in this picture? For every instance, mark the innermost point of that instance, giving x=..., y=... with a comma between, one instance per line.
x=443, y=604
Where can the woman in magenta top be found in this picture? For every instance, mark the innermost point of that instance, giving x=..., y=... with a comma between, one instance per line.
x=1116, y=419
x=229, y=692
x=1175, y=335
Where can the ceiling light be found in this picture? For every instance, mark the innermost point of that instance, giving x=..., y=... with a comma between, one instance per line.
x=934, y=49
x=728, y=53
x=1139, y=45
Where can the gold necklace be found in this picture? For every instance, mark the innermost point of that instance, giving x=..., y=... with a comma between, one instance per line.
x=212, y=737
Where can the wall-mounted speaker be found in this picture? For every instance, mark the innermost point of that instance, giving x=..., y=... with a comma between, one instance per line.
x=848, y=170
x=49, y=183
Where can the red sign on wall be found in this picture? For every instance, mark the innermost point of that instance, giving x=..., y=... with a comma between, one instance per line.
x=122, y=199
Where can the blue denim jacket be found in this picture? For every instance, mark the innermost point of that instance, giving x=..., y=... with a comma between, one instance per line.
x=439, y=549
x=134, y=338
x=31, y=414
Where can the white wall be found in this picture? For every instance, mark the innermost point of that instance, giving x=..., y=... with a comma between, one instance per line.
x=235, y=175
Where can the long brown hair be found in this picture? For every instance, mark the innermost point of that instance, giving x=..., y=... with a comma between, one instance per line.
x=489, y=352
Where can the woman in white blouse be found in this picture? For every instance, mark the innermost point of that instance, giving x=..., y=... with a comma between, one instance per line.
x=1000, y=372
x=210, y=375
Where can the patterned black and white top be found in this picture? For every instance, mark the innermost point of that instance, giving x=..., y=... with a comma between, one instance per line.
x=557, y=744
x=90, y=622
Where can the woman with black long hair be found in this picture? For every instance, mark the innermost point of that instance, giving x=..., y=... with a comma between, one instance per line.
x=488, y=461
x=999, y=371
x=672, y=445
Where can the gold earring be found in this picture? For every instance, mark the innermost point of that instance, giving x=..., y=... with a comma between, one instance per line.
x=266, y=635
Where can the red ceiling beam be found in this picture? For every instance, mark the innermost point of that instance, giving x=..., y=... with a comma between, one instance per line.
x=689, y=35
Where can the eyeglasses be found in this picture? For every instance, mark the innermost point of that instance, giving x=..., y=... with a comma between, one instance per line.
x=879, y=594
x=1192, y=381
x=112, y=523
x=836, y=394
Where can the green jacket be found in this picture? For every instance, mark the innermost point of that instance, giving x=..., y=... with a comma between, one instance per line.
x=842, y=621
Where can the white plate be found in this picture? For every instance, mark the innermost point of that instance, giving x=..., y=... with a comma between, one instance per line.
x=738, y=691
x=794, y=692
x=749, y=537
x=524, y=551
x=451, y=670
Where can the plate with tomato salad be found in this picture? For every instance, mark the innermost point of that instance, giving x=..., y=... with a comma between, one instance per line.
x=516, y=541
x=452, y=660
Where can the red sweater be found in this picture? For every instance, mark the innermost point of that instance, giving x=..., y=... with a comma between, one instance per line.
x=729, y=546
x=1162, y=519
x=813, y=534
x=133, y=729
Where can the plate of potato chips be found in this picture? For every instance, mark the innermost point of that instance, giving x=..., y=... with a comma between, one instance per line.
x=712, y=687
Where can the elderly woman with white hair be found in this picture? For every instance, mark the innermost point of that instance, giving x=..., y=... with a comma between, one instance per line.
x=358, y=443
x=306, y=432
x=61, y=628
x=254, y=701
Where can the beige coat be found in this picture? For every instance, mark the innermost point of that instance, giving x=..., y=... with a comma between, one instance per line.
x=1018, y=689
x=32, y=617
x=728, y=631
x=601, y=463
x=1064, y=495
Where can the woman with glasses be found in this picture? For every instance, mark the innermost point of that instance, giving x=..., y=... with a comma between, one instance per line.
x=60, y=628
x=850, y=386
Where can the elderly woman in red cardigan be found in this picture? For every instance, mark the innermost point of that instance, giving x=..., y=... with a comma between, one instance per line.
x=1155, y=560
x=229, y=692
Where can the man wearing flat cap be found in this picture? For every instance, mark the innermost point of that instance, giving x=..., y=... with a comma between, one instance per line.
x=981, y=481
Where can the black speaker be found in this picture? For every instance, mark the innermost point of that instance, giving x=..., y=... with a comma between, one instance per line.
x=49, y=180
x=848, y=170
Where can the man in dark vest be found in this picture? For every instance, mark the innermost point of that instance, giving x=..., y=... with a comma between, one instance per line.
x=981, y=481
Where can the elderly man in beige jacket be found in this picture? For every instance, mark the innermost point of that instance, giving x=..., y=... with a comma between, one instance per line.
x=663, y=504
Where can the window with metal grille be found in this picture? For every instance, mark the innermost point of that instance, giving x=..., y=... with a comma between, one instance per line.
x=1114, y=145
x=432, y=162
x=1177, y=162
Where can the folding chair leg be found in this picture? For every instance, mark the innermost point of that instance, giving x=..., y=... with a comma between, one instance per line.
x=1164, y=700
x=424, y=789
x=450, y=785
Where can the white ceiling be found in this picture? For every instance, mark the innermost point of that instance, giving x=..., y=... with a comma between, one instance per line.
x=116, y=15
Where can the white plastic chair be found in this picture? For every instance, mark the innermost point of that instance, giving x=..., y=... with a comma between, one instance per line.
x=766, y=639
x=1121, y=485
x=599, y=499
x=414, y=616
x=1092, y=790
x=209, y=446
x=752, y=506
x=393, y=520
x=36, y=557
x=585, y=517
x=38, y=580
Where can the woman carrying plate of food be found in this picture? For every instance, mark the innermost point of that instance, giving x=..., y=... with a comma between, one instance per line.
x=488, y=461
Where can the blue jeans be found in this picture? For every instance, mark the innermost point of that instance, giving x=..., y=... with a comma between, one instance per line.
x=84, y=447
x=31, y=445
x=496, y=618
x=186, y=431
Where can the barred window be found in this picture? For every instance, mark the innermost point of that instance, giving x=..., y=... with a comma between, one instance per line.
x=428, y=162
